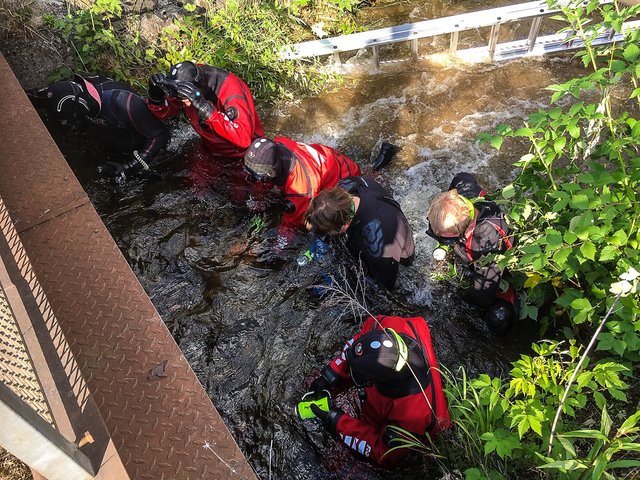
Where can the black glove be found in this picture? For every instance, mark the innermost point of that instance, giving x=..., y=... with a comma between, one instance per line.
x=155, y=92
x=500, y=316
x=120, y=171
x=327, y=380
x=318, y=385
x=328, y=419
x=190, y=92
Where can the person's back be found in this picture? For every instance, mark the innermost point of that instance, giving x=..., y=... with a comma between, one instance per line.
x=392, y=359
x=314, y=167
x=379, y=233
x=121, y=116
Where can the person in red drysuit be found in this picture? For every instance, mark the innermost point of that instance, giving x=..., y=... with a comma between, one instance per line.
x=218, y=104
x=299, y=170
x=221, y=110
x=393, y=359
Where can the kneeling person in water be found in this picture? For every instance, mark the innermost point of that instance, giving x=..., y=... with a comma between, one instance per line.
x=392, y=360
x=475, y=227
x=299, y=170
x=375, y=227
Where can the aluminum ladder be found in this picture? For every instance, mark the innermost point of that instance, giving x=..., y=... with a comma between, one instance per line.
x=533, y=45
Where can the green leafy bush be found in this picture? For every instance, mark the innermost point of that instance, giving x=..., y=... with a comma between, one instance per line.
x=575, y=203
x=243, y=40
x=241, y=37
x=575, y=211
x=503, y=426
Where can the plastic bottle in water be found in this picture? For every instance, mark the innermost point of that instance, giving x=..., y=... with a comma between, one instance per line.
x=305, y=258
x=316, y=251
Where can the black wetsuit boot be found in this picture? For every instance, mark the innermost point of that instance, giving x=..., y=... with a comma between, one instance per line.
x=387, y=151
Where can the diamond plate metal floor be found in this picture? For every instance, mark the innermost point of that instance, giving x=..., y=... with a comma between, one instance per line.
x=156, y=414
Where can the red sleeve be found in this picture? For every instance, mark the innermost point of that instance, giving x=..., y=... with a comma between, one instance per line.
x=240, y=130
x=170, y=108
x=368, y=440
x=295, y=219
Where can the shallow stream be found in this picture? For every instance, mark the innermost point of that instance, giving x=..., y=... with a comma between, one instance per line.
x=245, y=320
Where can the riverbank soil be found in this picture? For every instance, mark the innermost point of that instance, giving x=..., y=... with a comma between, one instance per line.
x=29, y=46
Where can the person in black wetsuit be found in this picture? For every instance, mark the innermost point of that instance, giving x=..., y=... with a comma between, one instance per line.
x=376, y=229
x=122, y=117
x=460, y=217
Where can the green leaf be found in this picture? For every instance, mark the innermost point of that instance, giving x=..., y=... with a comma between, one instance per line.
x=629, y=423
x=555, y=113
x=624, y=464
x=619, y=238
x=617, y=66
x=565, y=465
x=535, y=424
x=581, y=304
x=588, y=250
x=508, y=191
x=599, y=399
x=553, y=238
x=606, y=341
x=605, y=422
x=617, y=394
x=580, y=201
x=474, y=474
x=560, y=256
x=501, y=441
x=594, y=434
x=631, y=52
x=558, y=144
x=567, y=445
x=608, y=253
x=561, y=200
x=573, y=129
x=598, y=467
x=631, y=447
x=523, y=132
x=523, y=426
x=496, y=142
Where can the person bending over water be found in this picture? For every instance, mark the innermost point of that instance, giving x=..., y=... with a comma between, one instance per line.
x=376, y=230
x=393, y=363
x=120, y=116
x=475, y=227
x=218, y=104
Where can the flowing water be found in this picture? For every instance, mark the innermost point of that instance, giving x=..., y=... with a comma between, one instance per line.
x=244, y=318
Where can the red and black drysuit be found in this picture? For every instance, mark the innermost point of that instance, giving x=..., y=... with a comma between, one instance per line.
x=121, y=116
x=234, y=123
x=306, y=171
x=379, y=233
x=398, y=403
x=487, y=233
